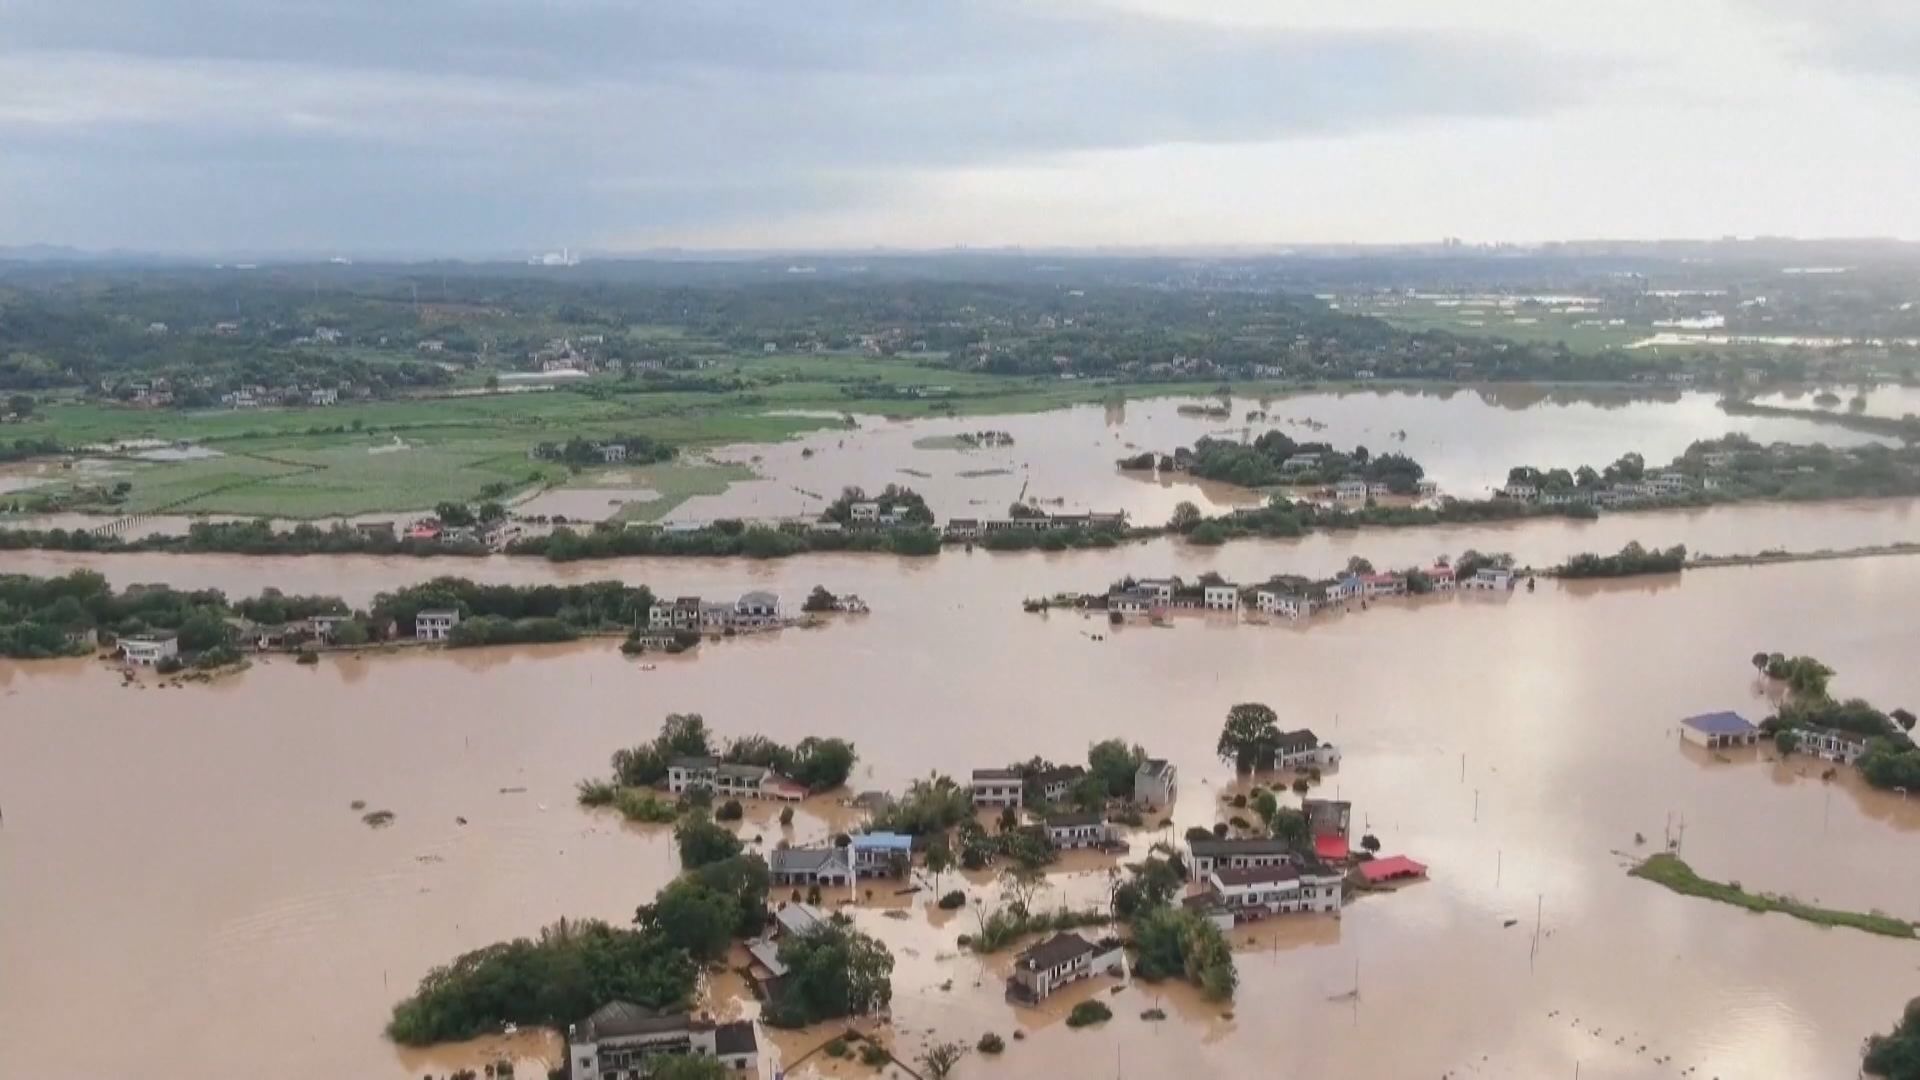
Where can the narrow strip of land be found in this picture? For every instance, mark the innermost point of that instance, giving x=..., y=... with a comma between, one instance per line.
x=1669, y=870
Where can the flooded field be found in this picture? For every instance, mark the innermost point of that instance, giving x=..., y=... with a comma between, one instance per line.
x=1466, y=439
x=1888, y=401
x=186, y=861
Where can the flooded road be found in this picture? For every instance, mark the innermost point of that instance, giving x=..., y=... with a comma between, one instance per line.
x=186, y=860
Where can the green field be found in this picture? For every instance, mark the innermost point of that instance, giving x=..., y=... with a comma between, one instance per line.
x=324, y=462
x=1667, y=869
x=1548, y=328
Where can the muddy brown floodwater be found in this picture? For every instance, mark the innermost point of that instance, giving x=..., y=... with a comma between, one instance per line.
x=185, y=891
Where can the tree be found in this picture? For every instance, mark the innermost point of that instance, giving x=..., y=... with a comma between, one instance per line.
x=939, y=1059
x=823, y=764
x=1116, y=764
x=1370, y=844
x=1265, y=805
x=833, y=971
x=1904, y=718
x=203, y=630
x=939, y=859
x=20, y=405
x=453, y=515
x=1291, y=825
x=820, y=600
x=1301, y=786
x=1760, y=662
x=701, y=841
x=1359, y=565
x=1250, y=737
x=693, y=916
x=1786, y=740
x=684, y=735
x=1185, y=517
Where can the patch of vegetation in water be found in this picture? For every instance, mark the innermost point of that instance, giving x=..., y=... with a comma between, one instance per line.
x=1670, y=870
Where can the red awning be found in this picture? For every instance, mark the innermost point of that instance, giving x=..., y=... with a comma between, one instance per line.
x=1391, y=867
x=1330, y=846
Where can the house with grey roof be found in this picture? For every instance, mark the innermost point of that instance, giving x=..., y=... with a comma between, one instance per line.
x=1235, y=853
x=1155, y=783
x=1071, y=831
x=998, y=787
x=622, y=1041
x=1058, y=961
x=822, y=866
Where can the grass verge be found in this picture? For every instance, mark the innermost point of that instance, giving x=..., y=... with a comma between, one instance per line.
x=1671, y=871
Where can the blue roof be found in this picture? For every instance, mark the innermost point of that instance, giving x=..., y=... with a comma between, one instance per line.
x=1720, y=723
x=883, y=841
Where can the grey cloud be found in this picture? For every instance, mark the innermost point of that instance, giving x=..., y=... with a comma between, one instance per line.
x=466, y=125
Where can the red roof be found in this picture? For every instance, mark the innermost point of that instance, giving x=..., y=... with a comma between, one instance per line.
x=1391, y=867
x=1330, y=846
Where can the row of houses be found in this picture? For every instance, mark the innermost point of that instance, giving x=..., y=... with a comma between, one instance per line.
x=730, y=780
x=976, y=528
x=753, y=611
x=1660, y=486
x=865, y=855
x=1155, y=785
x=1359, y=491
x=1728, y=730
x=624, y=1041
x=1288, y=595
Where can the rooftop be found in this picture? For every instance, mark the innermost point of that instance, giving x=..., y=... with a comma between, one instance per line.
x=1256, y=875
x=1074, y=821
x=1720, y=723
x=1156, y=766
x=1056, y=950
x=1391, y=866
x=620, y=1019
x=694, y=763
x=996, y=774
x=1304, y=739
x=882, y=841
x=806, y=860
x=735, y=1038
x=1250, y=845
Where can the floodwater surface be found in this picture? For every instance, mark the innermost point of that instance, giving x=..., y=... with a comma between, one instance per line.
x=187, y=862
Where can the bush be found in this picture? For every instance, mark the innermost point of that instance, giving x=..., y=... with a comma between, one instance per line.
x=836, y=1049
x=873, y=1055
x=991, y=1044
x=953, y=900
x=786, y=816
x=307, y=658
x=1089, y=1012
x=731, y=810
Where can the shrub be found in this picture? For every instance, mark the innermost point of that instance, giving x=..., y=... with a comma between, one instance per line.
x=731, y=810
x=991, y=1044
x=837, y=1048
x=786, y=816
x=953, y=900
x=873, y=1055
x=1089, y=1012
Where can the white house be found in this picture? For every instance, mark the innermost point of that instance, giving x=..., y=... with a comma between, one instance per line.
x=1441, y=578
x=1427, y=488
x=1235, y=853
x=822, y=866
x=436, y=624
x=757, y=608
x=1522, y=492
x=1497, y=578
x=612, y=453
x=1161, y=589
x=1071, y=831
x=997, y=787
x=147, y=650
x=1720, y=729
x=1131, y=601
x=1156, y=783
x=1302, y=749
x=1257, y=892
x=866, y=512
x=1350, y=491
x=1301, y=462
x=1843, y=747
x=621, y=1040
x=324, y=396
x=1278, y=600
x=1222, y=597
x=1058, y=961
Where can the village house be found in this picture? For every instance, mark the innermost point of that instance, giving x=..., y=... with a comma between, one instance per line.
x=612, y=453
x=1718, y=459
x=1377, y=489
x=1055, y=784
x=435, y=625
x=1221, y=597
x=998, y=787
x=1161, y=589
x=147, y=650
x=1235, y=853
x=715, y=616
x=1350, y=491
x=729, y=780
x=621, y=1041
x=756, y=609
x=963, y=529
x=1301, y=462
x=1283, y=596
x=375, y=530
x=1494, y=578
x=1260, y=891
x=1520, y=492
x=1831, y=744
x=323, y=396
x=1131, y=602
x=882, y=854
x=1328, y=817
x=1058, y=961
x=1718, y=730
x=1383, y=585
x=1155, y=783
x=1068, y=832
x=1303, y=749
x=1427, y=489
x=1441, y=578
x=825, y=867
x=866, y=513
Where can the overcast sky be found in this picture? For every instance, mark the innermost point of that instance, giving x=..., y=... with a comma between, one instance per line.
x=471, y=126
